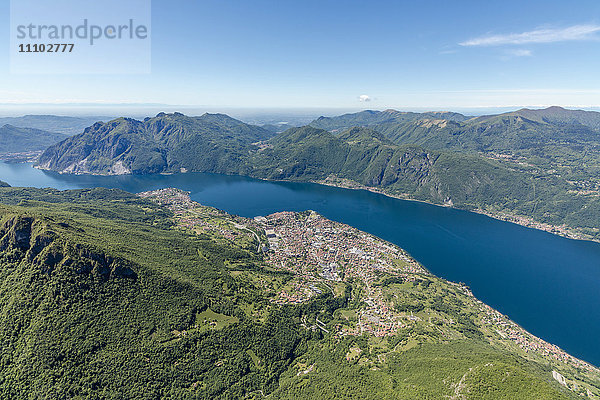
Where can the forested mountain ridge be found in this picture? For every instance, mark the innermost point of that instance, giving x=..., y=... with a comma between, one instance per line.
x=504, y=132
x=106, y=295
x=552, y=116
x=125, y=145
x=558, y=115
x=95, y=288
x=366, y=157
x=554, y=138
x=462, y=179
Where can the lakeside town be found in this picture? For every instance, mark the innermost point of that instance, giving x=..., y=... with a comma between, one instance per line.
x=318, y=250
x=561, y=230
x=324, y=255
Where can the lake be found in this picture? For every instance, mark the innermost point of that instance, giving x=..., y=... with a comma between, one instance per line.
x=548, y=284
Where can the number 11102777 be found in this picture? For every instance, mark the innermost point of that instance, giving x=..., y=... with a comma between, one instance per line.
x=46, y=48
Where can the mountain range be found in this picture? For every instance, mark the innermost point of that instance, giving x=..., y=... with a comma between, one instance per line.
x=109, y=295
x=537, y=166
x=550, y=115
x=548, y=137
x=370, y=117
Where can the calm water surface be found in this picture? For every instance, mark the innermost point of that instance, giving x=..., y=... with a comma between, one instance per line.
x=548, y=284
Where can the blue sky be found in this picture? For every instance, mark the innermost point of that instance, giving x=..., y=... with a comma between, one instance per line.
x=398, y=54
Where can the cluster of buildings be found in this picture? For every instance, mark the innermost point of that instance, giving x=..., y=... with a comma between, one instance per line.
x=525, y=340
x=318, y=250
x=176, y=200
x=298, y=291
x=191, y=215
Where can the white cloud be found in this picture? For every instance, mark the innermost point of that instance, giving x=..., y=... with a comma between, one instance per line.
x=364, y=97
x=575, y=32
x=519, y=53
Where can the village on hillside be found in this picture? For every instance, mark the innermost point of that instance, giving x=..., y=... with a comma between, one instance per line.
x=325, y=255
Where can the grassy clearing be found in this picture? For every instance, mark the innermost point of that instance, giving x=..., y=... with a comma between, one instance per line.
x=210, y=320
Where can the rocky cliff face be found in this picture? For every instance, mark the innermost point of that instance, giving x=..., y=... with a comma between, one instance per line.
x=32, y=239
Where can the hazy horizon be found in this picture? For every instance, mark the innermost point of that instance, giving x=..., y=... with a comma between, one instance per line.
x=258, y=115
x=409, y=56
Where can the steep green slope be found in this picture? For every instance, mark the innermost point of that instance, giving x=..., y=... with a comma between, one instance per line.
x=20, y=140
x=553, y=155
x=101, y=297
x=566, y=141
x=361, y=155
x=95, y=290
x=505, y=132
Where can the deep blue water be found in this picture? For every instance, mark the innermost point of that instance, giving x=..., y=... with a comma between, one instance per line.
x=548, y=284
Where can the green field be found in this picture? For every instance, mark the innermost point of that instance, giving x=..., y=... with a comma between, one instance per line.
x=209, y=320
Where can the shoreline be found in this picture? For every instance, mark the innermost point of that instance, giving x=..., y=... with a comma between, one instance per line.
x=525, y=221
